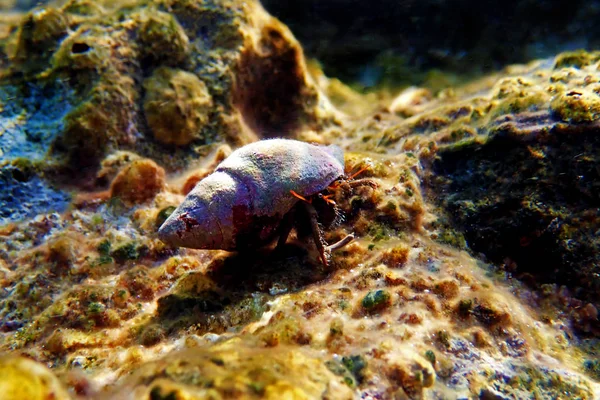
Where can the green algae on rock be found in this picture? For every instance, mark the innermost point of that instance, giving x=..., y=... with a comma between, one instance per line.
x=376, y=301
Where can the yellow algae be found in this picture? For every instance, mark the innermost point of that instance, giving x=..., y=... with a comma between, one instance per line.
x=235, y=369
x=22, y=378
x=577, y=59
x=577, y=106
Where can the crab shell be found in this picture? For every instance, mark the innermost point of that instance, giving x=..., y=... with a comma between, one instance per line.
x=242, y=203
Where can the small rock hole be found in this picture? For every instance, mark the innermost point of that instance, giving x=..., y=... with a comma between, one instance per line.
x=79, y=48
x=274, y=34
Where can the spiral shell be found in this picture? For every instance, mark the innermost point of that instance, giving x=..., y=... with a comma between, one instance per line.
x=242, y=203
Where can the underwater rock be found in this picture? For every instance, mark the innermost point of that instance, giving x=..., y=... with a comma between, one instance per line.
x=176, y=106
x=489, y=171
x=577, y=106
x=138, y=182
x=17, y=203
x=31, y=117
x=113, y=164
x=526, y=195
x=40, y=32
x=163, y=40
x=237, y=74
x=273, y=90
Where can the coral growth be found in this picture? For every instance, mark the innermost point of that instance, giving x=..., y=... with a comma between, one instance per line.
x=138, y=182
x=176, y=106
x=204, y=73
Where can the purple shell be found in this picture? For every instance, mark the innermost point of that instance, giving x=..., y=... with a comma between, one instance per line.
x=241, y=204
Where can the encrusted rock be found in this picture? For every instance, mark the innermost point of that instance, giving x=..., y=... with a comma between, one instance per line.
x=177, y=106
x=138, y=182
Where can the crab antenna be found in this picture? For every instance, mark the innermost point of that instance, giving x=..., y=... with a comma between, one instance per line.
x=328, y=199
x=360, y=171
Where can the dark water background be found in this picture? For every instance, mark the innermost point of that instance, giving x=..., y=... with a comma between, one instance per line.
x=379, y=41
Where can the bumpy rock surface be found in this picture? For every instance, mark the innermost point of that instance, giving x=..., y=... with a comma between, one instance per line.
x=176, y=106
x=526, y=195
x=474, y=270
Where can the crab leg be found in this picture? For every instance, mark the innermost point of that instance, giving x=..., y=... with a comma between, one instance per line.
x=286, y=228
x=316, y=232
x=341, y=243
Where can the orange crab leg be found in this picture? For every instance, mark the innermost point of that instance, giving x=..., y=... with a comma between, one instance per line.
x=328, y=199
x=300, y=197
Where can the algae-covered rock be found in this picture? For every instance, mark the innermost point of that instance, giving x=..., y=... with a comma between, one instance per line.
x=576, y=59
x=104, y=94
x=162, y=39
x=525, y=195
x=537, y=209
x=235, y=370
x=39, y=35
x=577, y=106
x=177, y=106
x=138, y=182
x=233, y=66
x=533, y=206
x=22, y=378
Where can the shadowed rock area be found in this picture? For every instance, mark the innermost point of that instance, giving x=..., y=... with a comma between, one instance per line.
x=531, y=203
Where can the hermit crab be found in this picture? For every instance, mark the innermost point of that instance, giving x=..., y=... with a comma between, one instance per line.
x=258, y=193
